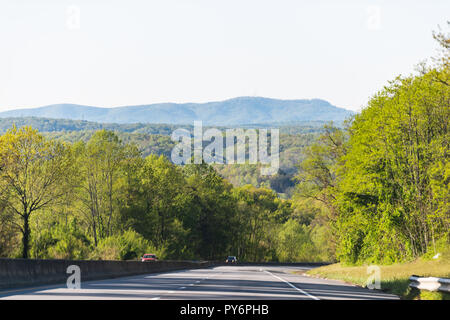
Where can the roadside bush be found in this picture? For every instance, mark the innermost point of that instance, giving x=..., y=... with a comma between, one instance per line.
x=61, y=242
x=128, y=245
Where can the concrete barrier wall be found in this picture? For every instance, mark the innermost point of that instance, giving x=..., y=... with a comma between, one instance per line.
x=31, y=272
x=16, y=273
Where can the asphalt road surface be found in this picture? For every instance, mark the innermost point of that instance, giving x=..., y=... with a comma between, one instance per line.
x=223, y=282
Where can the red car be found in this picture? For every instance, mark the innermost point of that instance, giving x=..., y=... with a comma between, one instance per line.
x=149, y=257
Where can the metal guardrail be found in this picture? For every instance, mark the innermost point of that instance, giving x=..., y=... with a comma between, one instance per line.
x=430, y=283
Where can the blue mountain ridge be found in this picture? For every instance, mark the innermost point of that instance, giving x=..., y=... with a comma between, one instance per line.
x=236, y=111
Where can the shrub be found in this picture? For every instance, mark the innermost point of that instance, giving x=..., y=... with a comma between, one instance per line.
x=63, y=241
x=128, y=245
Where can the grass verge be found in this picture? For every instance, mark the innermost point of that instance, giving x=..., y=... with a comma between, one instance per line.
x=395, y=277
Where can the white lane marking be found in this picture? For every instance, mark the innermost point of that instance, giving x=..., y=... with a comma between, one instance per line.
x=183, y=288
x=155, y=298
x=171, y=292
x=290, y=284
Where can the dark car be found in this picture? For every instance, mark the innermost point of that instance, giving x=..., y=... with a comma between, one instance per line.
x=149, y=257
x=231, y=259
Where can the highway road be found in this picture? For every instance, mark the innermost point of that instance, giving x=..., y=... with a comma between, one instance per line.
x=221, y=282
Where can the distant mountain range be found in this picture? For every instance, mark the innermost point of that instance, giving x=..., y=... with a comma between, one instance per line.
x=236, y=111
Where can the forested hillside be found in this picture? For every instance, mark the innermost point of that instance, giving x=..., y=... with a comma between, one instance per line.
x=66, y=125
x=155, y=139
x=384, y=180
x=101, y=199
x=375, y=190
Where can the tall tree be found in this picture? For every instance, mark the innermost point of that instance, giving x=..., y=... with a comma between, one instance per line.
x=100, y=164
x=32, y=173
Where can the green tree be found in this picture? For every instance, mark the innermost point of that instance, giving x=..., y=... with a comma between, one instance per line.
x=100, y=163
x=209, y=211
x=32, y=174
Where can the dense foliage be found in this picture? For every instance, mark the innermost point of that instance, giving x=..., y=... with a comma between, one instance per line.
x=375, y=189
x=384, y=179
x=102, y=199
x=291, y=152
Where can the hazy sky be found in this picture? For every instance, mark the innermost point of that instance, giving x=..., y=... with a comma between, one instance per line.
x=111, y=53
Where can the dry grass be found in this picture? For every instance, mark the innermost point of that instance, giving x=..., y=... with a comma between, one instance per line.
x=394, y=278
